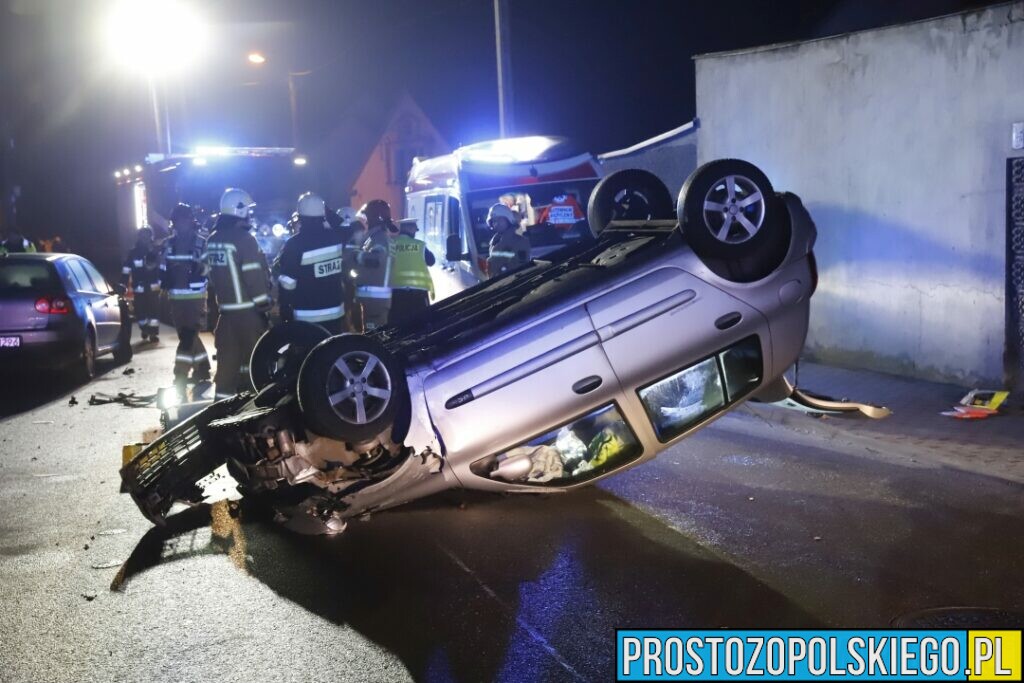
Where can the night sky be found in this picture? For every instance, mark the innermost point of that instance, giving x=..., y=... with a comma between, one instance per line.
x=607, y=73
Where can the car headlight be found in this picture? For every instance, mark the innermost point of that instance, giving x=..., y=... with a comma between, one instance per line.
x=167, y=398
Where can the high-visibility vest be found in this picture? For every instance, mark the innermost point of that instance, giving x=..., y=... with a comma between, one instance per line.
x=409, y=270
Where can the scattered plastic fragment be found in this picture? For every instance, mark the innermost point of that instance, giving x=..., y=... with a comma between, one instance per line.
x=90, y=596
x=978, y=404
x=73, y=401
x=107, y=565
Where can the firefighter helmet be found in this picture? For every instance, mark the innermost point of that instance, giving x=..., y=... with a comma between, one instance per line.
x=311, y=205
x=347, y=214
x=235, y=202
x=182, y=213
x=376, y=212
x=500, y=211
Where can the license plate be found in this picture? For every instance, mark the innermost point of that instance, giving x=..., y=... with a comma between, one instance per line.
x=10, y=342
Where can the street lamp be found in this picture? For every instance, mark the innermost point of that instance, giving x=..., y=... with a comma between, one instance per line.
x=258, y=59
x=156, y=39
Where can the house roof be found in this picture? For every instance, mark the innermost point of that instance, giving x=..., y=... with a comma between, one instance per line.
x=358, y=132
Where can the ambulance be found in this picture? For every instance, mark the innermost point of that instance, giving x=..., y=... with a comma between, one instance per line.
x=545, y=180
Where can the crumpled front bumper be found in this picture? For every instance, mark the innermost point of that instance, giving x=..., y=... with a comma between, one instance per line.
x=169, y=469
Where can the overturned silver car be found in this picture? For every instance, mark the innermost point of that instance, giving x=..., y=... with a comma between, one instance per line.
x=545, y=379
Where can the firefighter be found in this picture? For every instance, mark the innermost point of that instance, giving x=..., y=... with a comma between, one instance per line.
x=412, y=289
x=310, y=274
x=354, y=227
x=144, y=269
x=374, y=265
x=239, y=278
x=508, y=249
x=185, y=285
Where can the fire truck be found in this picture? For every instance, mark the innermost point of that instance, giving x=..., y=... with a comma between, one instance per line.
x=274, y=176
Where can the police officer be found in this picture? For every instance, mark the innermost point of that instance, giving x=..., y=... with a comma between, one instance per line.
x=373, y=290
x=16, y=243
x=411, y=285
x=508, y=249
x=239, y=278
x=144, y=269
x=310, y=273
x=185, y=285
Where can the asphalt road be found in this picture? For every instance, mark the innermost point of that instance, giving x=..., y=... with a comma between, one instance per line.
x=744, y=524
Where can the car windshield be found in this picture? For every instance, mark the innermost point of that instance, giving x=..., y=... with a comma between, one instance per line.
x=27, y=277
x=552, y=215
x=508, y=300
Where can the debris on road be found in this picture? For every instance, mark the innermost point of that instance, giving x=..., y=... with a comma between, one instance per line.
x=978, y=404
x=42, y=422
x=107, y=565
x=89, y=596
x=128, y=371
x=111, y=532
x=129, y=400
x=73, y=401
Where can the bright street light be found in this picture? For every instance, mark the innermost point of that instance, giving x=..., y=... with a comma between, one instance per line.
x=256, y=58
x=299, y=161
x=138, y=168
x=155, y=38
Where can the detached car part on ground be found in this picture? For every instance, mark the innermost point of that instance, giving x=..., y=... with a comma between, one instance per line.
x=545, y=379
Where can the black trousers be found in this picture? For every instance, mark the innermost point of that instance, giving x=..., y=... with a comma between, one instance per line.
x=406, y=305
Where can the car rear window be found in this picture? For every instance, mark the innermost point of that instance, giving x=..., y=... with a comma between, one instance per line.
x=21, y=277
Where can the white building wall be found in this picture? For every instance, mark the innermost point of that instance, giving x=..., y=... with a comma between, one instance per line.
x=897, y=141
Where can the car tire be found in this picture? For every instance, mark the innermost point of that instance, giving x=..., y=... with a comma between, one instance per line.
x=350, y=389
x=123, y=353
x=86, y=369
x=279, y=353
x=731, y=218
x=629, y=194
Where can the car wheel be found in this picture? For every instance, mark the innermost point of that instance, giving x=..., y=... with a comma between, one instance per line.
x=87, y=361
x=350, y=388
x=728, y=211
x=123, y=353
x=631, y=194
x=278, y=355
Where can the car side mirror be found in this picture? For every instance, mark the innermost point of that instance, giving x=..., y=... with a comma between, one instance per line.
x=453, y=249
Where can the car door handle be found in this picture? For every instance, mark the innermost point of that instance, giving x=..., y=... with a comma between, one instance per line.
x=587, y=384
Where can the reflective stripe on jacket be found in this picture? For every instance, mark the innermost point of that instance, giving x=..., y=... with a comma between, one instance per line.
x=374, y=273
x=310, y=273
x=238, y=269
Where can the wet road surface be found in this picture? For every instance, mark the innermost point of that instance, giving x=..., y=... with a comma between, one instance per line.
x=741, y=525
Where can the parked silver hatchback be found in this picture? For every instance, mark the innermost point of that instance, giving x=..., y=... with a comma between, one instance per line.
x=545, y=379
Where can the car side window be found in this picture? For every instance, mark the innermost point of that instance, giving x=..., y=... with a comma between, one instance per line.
x=689, y=396
x=79, y=276
x=582, y=449
x=97, y=279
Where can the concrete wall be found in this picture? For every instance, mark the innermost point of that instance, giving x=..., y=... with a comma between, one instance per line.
x=897, y=140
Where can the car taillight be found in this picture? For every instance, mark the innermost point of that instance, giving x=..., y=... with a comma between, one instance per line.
x=57, y=305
